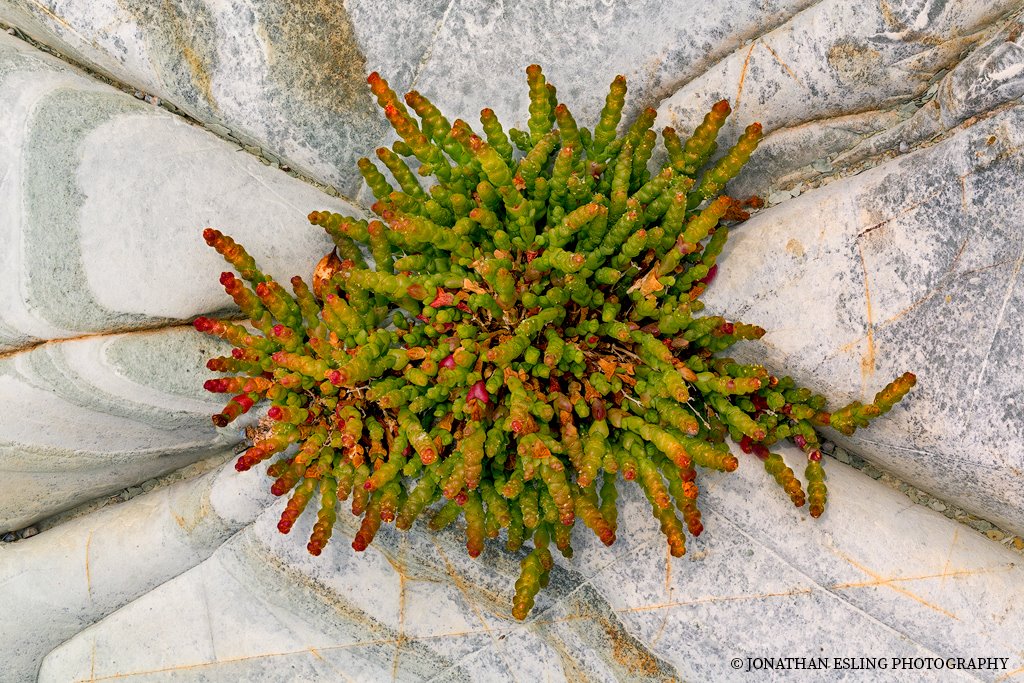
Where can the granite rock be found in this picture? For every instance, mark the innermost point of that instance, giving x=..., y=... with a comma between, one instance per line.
x=103, y=204
x=414, y=607
x=61, y=582
x=912, y=266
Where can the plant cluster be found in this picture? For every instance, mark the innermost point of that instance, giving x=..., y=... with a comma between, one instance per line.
x=513, y=339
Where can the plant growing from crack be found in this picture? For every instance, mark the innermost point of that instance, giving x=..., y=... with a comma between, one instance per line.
x=526, y=336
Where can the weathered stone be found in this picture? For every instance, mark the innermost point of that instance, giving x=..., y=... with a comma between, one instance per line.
x=836, y=73
x=988, y=77
x=286, y=76
x=414, y=607
x=478, y=57
x=87, y=417
x=290, y=76
x=103, y=199
x=71, y=576
x=911, y=266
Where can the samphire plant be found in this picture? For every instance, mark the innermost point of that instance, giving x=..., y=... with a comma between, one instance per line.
x=513, y=339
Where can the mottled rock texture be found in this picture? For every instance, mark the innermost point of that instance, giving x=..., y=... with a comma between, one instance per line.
x=290, y=76
x=912, y=265
x=762, y=579
x=837, y=81
x=96, y=564
x=103, y=202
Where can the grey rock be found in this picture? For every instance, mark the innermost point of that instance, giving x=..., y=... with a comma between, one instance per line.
x=830, y=78
x=29, y=532
x=981, y=525
x=821, y=165
x=414, y=607
x=105, y=200
x=582, y=46
x=290, y=77
x=914, y=265
x=9, y=537
x=83, y=570
x=88, y=417
x=990, y=75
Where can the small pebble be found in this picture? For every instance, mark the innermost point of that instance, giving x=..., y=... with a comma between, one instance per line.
x=134, y=491
x=822, y=165
x=777, y=197
x=29, y=532
x=842, y=456
x=218, y=129
x=937, y=505
x=908, y=109
x=253, y=149
x=981, y=524
x=11, y=32
x=9, y=537
x=1018, y=543
x=140, y=95
x=995, y=534
x=904, y=147
x=149, y=486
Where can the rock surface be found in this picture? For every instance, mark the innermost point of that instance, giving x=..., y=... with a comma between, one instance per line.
x=86, y=417
x=98, y=563
x=763, y=580
x=290, y=77
x=102, y=204
x=915, y=265
x=835, y=76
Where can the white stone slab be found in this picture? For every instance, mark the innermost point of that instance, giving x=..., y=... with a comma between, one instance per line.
x=764, y=580
x=480, y=54
x=838, y=74
x=57, y=583
x=912, y=266
x=103, y=201
x=86, y=417
x=289, y=77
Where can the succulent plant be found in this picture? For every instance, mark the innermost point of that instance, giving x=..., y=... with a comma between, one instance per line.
x=512, y=339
